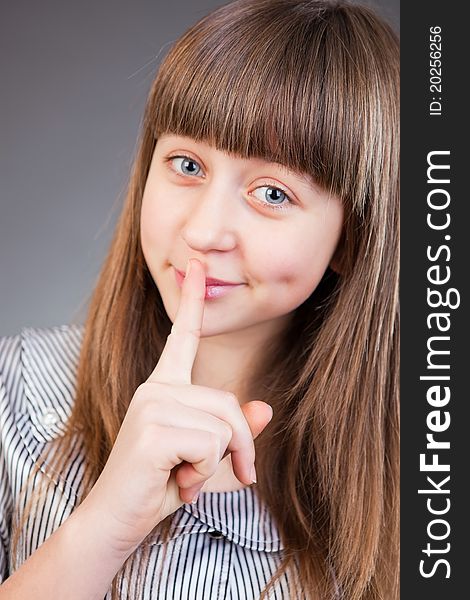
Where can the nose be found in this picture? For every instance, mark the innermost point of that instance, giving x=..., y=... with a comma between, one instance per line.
x=211, y=222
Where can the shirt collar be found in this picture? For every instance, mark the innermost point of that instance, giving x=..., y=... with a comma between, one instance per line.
x=49, y=361
x=240, y=516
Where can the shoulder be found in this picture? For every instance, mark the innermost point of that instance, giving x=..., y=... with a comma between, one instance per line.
x=37, y=390
x=40, y=341
x=37, y=376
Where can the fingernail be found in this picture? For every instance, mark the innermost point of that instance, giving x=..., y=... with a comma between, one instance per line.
x=196, y=496
x=253, y=474
x=272, y=412
x=188, y=268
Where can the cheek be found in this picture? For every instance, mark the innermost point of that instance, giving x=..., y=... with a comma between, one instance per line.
x=296, y=275
x=292, y=267
x=155, y=225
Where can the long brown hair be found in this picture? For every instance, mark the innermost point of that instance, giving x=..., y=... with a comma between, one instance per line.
x=313, y=85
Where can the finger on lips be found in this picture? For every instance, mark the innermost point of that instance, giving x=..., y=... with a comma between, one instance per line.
x=174, y=368
x=177, y=359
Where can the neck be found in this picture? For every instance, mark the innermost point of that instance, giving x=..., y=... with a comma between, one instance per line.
x=227, y=361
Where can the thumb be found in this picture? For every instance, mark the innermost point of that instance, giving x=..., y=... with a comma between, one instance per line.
x=258, y=414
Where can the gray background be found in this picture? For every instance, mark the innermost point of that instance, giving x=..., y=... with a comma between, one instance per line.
x=74, y=80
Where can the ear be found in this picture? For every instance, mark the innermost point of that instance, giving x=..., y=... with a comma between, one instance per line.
x=336, y=263
x=335, y=266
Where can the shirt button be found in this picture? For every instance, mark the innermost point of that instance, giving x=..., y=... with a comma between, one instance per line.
x=49, y=418
x=216, y=535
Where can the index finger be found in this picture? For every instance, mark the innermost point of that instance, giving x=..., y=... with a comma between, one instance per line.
x=177, y=358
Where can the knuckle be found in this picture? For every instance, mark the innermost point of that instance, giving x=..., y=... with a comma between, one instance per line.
x=162, y=402
x=151, y=439
x=193, y=333
x=147, y=389
x=158, y=438
x=227, y=431
x=231, y=398
x=148, y=413
x=159, y=389
x=141, y=392
x=213, y=443
x=174, y=332
x=151, y=401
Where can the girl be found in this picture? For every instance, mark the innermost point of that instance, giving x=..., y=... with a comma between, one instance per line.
x=246, y=315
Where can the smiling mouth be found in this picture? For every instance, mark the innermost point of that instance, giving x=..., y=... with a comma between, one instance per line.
x=214, y=288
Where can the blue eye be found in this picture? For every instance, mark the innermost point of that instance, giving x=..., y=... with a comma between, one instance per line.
x=273, y=197
x=187, y=165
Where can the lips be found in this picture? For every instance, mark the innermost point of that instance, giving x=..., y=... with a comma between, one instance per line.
x=215, y=288
x=212, y=281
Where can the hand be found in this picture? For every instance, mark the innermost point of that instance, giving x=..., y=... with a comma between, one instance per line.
x=173, y=436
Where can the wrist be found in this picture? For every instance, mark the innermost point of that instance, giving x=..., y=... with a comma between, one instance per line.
x=90, y=525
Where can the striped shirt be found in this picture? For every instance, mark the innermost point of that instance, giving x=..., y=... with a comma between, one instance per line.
x=225, y=546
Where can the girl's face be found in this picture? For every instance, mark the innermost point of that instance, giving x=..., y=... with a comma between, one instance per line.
x=253, y=223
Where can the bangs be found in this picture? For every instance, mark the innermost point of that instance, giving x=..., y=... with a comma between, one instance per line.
x=296, y=84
